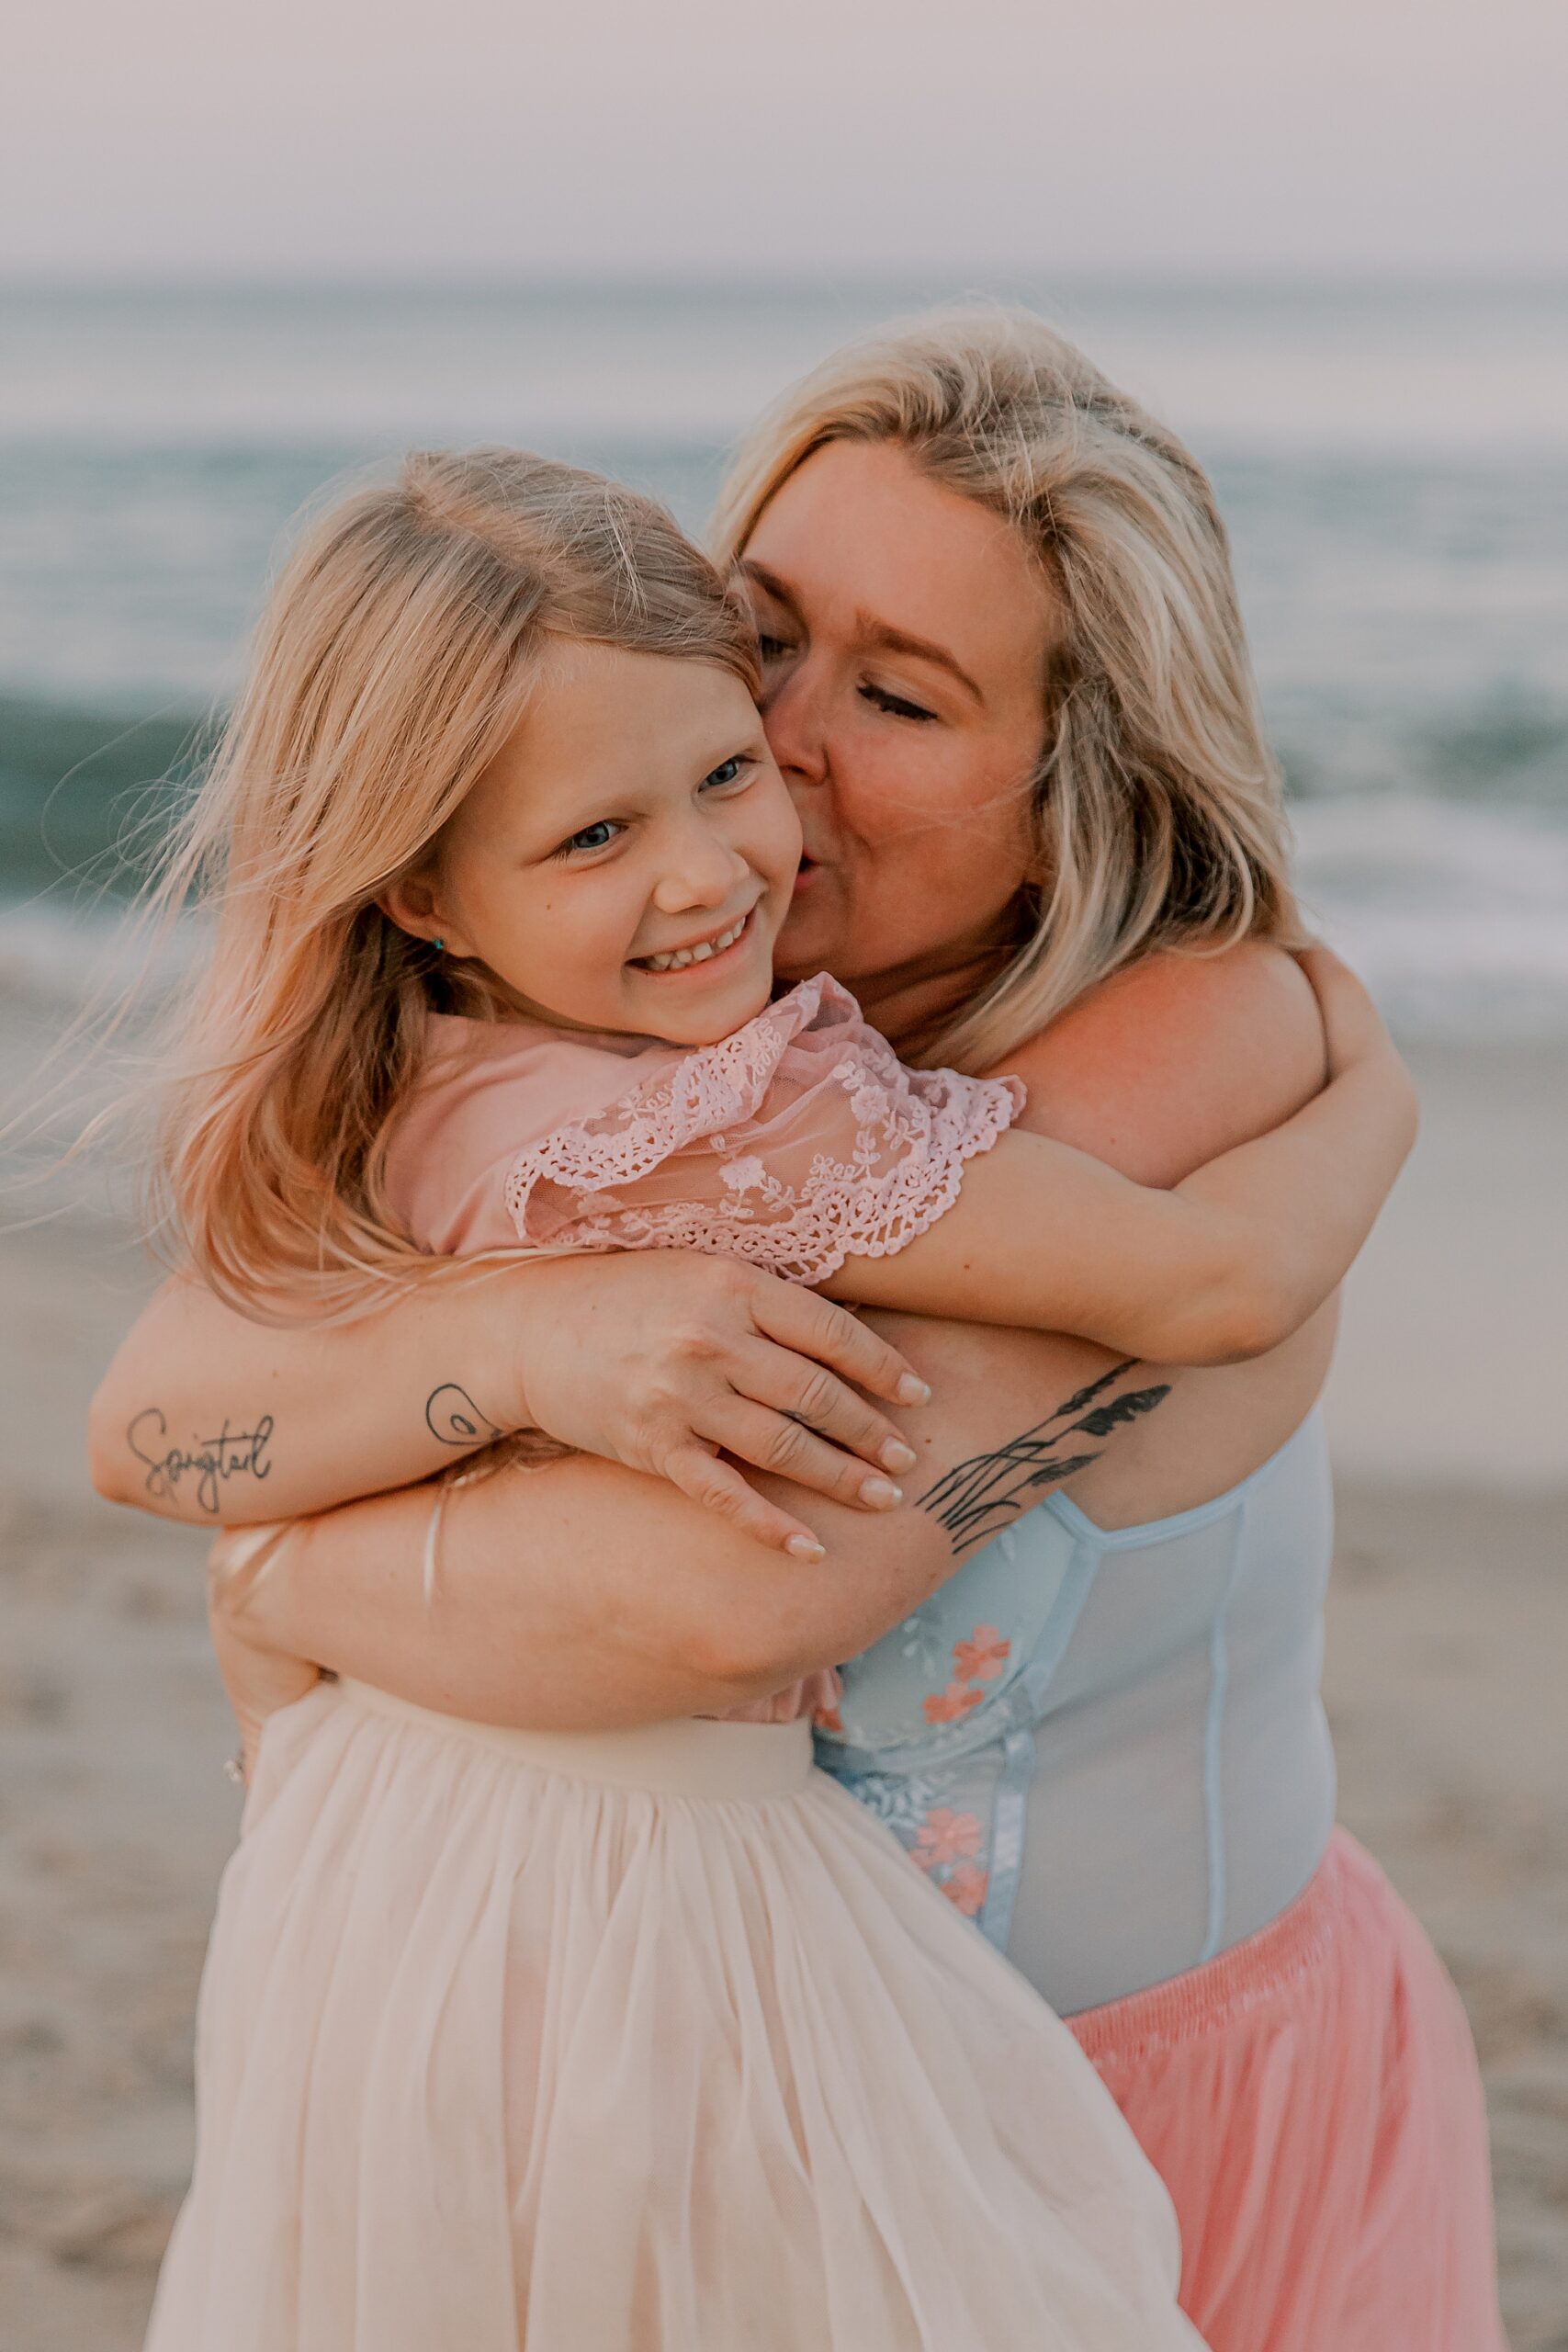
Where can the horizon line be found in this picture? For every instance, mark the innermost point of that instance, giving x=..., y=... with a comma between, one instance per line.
x=977, y=280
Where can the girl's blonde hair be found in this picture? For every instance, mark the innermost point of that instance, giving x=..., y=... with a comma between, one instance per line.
x=1158, y=806
x=394, y=659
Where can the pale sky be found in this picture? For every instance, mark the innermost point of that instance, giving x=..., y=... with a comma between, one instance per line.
x=202, y=137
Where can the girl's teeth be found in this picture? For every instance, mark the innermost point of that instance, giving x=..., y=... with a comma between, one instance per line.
x=698, y=955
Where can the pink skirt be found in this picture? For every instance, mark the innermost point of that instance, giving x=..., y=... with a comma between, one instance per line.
x=1312, y=2100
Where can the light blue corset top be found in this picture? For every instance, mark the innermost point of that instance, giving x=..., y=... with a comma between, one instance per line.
x=1107, y=1747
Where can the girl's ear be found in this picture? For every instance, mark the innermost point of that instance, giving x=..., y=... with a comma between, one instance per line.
x=414, y=903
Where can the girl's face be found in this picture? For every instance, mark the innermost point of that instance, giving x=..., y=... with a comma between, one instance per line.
x=904, y=637
x=626, y=861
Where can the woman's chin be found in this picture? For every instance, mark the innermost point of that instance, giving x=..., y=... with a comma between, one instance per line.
x=809, y=941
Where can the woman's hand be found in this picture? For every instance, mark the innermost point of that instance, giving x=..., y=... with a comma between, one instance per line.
x=665, y=1361
x=258, y=1679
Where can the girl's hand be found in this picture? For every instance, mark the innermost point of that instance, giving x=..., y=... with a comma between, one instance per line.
x=258, y=1680
x=1353, y=1028
x=665, y=1360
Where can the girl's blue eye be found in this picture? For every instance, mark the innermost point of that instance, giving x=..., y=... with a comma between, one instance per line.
x=727, y=772
x=597, y=836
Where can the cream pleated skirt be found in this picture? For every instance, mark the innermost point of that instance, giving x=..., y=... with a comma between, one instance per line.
x=642, y=2041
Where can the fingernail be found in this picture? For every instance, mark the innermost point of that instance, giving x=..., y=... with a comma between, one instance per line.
x=912, y=1391
x=805, y=1547
x=896, y=1455
x=880, y=1493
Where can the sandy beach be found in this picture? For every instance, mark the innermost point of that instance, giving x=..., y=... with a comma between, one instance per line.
x=1448, y=1632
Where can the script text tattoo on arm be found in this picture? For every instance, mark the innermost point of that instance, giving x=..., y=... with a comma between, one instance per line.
x=205, y=1466
x=976, y=1499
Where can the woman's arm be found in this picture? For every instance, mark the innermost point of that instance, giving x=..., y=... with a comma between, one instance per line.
x=1176, y=1059
x=1225, y=1267
x=583, y=1595
x=579, y=1596
x=657, y=1360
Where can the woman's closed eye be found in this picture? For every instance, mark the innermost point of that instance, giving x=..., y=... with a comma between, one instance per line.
x=895, y=706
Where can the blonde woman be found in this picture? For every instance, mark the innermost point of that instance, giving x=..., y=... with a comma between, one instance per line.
x=1007, y=684
x=488, y=871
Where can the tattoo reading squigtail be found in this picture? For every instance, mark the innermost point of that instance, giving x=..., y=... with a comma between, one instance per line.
x=204, y=1466
x=975, y=1497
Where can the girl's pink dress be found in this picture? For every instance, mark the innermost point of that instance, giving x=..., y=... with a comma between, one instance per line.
x=797, y=1142
x=649, y=2041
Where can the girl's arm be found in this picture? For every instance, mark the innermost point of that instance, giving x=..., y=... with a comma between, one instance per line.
x=547, y=1614
x=655, y=1359
x=1225, y=1266
x=582, y=1595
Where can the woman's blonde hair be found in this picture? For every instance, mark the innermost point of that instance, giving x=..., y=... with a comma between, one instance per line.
x=394, y=658
x=1158, y=805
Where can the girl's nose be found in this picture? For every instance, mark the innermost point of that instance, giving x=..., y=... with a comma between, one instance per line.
x=703, y=871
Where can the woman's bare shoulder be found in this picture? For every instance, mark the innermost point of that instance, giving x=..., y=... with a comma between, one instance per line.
x=1177, y=1059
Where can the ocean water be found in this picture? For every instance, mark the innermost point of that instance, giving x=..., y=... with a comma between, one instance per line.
x=1394, y=463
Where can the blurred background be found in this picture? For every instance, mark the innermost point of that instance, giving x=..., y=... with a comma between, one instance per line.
x=1331, y=246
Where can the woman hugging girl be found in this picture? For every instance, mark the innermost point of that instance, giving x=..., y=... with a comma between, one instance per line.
x=651, y=2037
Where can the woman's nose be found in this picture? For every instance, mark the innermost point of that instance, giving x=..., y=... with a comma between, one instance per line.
x=794, y=715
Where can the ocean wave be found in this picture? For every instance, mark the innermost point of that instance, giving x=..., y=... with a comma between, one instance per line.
x=1457, y=917
x=85, y=793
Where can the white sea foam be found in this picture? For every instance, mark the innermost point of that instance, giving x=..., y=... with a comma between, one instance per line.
x=1456, y=917
x=59, y=960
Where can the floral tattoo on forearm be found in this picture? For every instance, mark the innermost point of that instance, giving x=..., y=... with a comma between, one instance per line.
x=976, y=1499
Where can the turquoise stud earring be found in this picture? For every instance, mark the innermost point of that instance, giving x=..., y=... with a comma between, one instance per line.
x=438, y=944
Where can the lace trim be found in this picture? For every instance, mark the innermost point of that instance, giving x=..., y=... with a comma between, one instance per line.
x=912, y=1133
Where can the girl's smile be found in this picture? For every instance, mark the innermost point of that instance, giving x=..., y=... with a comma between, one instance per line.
x=697, y=955
x=626, y=861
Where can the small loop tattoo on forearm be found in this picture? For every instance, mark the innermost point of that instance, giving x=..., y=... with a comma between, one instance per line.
x=453, y=1418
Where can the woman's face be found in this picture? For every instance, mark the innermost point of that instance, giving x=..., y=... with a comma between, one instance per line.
x=905, y=636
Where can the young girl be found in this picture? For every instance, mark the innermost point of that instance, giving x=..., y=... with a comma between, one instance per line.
x=646, y=2039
